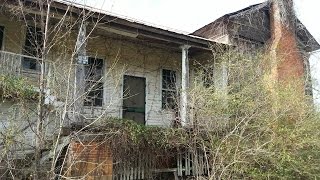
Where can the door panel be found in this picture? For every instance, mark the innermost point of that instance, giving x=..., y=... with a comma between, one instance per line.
x=134, y=98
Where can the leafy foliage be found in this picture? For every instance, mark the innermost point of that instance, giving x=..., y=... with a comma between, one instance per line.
x=272, y=130
x=15, y=88
x=137, y=136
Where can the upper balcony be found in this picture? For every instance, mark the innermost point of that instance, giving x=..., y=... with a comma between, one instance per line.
x=19, y=65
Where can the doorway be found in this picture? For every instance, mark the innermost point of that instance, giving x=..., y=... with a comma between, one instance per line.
x=134, y=98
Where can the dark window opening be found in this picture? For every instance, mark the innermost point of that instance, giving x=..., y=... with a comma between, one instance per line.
x=33, y=48
x=169, y=99
x=1, y=36
x=169, y=92
x=94, y=85
x=29, y=63
x=208, y=77
x=94, y=95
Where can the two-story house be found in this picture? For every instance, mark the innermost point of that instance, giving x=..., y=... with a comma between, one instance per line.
x=87, y=64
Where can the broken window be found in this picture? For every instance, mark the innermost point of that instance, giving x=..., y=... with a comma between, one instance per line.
x=1, y=36
x=33, y=48
x=94, y=84
x=169, y=100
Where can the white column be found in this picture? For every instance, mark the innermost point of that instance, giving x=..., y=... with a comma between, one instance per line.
x=184, y=86
x=79, y=83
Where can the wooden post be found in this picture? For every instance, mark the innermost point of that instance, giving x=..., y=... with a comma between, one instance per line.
x=79, y=83
x=184, y=85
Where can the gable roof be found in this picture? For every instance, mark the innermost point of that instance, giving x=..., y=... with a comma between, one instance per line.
x=249, y=9
x=302, y=32
x=203, y=31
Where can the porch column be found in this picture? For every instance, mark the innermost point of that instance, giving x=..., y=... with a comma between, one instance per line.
x=184, y=85
x=79, y=83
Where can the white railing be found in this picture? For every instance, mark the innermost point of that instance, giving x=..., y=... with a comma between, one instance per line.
x=192, y=164
x=131, y=171
x=188, y=164
x=12, y=64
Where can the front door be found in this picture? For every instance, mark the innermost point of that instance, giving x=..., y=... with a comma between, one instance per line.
x=134, y=98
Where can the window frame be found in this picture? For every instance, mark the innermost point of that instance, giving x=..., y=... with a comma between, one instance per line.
x=164, y=105
x=94, y=83
x=28, y=63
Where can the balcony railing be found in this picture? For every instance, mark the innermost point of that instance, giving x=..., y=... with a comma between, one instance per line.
x=19, y=65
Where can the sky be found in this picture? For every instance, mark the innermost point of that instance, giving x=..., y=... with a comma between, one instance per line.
x=189, y=15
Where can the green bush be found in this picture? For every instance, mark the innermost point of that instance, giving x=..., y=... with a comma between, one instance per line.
x=14, y=88
x=272, y=130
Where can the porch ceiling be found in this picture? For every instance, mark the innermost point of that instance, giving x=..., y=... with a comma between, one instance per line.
x=147, y=41
x=125, y=26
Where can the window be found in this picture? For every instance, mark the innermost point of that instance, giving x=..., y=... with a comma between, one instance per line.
x=208, y=77
x=33, y=47
x=1, y=36
x=94, y=84
x=169, y=89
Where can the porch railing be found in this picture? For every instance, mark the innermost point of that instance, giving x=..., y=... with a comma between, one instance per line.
x=18, y=65
x=15, y=64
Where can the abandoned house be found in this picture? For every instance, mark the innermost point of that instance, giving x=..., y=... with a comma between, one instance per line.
x=260, y=26
x=100, y=64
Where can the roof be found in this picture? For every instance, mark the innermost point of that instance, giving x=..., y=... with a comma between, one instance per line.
x=249, y=9
x=139, y=28
x=302, y=32
x=215, y=24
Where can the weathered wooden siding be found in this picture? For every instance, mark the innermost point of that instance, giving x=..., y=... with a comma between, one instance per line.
x=121, y=57
x=91, y=160
x=252, y=25
x=14, y=35
x=128, y=58
x=15, y=119
x=213, y=30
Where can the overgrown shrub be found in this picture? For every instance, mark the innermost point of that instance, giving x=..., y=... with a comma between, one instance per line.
x=272, y=130
x=14, y=88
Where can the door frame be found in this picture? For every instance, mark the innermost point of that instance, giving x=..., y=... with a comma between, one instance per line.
x=145, y=95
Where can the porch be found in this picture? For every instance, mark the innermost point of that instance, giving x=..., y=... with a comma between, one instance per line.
x=19, y=65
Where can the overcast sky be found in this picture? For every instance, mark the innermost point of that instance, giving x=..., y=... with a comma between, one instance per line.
x=188, y=15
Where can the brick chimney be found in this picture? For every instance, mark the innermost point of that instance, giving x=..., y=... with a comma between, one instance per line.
x=286, y=58
x=287, y=64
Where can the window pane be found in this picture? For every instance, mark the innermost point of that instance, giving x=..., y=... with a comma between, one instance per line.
x=95, y=94
x=94, y=69
x=33, y=47
x=169, y=89
x=98, y=63
x=33, y=42
x=168, y=79
x=169, y=99
x=29, y=63
x=94, y=86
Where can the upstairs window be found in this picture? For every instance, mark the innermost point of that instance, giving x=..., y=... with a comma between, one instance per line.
x=33, y=47
x=93, y=82
x=1, y=36
x=169, y=91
